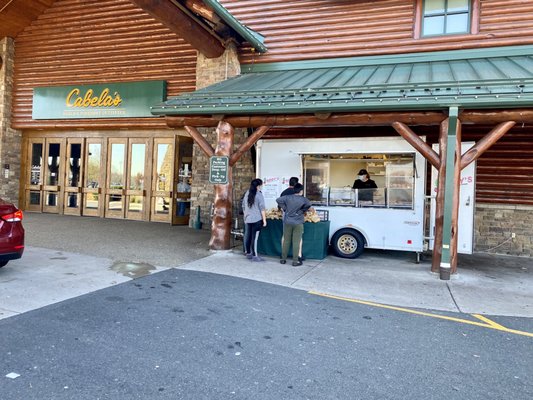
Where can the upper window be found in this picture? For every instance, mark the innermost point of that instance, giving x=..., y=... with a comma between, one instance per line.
x=446, y=17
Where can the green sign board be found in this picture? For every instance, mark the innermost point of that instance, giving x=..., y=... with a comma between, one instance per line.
x=107, y=100
x=218, y=169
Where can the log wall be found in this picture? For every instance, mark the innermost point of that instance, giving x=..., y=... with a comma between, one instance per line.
x=87, y=41
x=312, y=29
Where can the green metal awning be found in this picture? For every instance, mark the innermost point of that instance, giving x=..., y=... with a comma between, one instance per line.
x=482, y=78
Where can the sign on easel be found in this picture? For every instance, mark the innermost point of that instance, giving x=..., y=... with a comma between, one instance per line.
x=218, y=170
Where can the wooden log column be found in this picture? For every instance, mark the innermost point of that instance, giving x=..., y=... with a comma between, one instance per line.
x=456, y=199
x=439, y=200
x=462, y=161
x=222, y=213
x=439, y=161
x=221, y=225
x=453, y=127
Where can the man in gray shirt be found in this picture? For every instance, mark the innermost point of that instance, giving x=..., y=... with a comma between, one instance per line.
x=294, y=207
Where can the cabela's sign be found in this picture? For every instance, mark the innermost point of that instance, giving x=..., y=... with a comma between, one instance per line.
x=112, y=100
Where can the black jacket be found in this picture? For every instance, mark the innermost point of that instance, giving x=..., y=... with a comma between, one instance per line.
x=294, y=206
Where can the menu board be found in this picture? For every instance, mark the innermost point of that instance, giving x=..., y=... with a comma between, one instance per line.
x=274, y=185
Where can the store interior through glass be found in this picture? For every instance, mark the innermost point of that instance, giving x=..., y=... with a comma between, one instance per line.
x=330, y=179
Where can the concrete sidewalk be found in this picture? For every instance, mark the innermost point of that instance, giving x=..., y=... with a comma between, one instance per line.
x=485, y=284
x=69, y=256
x=45, y=276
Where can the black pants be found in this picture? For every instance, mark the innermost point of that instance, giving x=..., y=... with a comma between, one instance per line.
x=251, y=237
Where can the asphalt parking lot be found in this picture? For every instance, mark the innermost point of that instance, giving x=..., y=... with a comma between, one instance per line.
x=68, y=256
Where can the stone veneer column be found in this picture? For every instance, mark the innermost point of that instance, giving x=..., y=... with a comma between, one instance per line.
x=208, y=72
x=10, y=139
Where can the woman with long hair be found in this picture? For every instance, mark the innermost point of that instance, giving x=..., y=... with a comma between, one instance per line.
x=253, y=205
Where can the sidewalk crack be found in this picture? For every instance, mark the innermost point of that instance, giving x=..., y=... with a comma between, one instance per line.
x=453, y=298
x=302, y=276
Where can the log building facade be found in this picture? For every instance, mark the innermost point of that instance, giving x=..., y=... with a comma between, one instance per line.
x=75, y=42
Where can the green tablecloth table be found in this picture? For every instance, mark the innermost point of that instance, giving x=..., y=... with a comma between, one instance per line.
x=315, y=239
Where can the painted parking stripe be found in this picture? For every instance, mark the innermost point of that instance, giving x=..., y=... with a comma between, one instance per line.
x=487, y=323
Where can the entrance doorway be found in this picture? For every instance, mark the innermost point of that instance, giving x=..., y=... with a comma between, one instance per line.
x=45, y=175
x=145, y=179
x=126, y=178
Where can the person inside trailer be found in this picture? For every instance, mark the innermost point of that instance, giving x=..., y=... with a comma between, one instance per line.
x=365, y=186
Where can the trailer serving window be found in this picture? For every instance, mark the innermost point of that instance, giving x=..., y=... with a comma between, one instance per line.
x=329, y=180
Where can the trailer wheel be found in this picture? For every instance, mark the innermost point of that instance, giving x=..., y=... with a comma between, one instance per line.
x=348, y=243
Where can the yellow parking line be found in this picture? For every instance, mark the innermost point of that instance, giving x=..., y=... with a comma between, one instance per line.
x=487, y=322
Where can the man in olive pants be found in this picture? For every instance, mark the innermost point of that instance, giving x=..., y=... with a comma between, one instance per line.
x=294, y=207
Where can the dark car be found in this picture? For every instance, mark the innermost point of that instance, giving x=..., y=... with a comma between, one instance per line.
x=11, y=232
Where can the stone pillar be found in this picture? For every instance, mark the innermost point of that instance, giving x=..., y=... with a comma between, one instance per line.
x=208, y=72
x=10, y=139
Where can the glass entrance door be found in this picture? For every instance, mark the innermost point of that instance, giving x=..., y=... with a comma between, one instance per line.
x=94, y=178
x=53, y=175
x=136, y=179
x=182, y=181
x=133, y=178
x=116, y=178
x=126, y=179
x=73, y=181
x=162, y=180
x=34, y=177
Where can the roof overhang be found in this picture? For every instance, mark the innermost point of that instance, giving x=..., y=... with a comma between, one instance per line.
x=474, y=79
x=15, y=15
x=205, y=24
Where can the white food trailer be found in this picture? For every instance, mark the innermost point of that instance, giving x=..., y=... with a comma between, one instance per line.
x=393, y=216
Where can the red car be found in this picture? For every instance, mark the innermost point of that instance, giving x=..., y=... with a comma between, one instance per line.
x=11, y=233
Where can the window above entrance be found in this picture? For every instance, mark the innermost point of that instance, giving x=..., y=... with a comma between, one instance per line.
x=446, y=17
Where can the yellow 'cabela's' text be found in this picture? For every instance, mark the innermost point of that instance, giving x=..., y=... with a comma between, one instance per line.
x=89, y=100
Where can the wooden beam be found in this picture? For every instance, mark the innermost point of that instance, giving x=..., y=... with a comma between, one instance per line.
x=200, y=8
x=248, y=143
x=183, y=25
x=200, y=141
x=415, y=141
x=484, y=144
x=221, y=225
x=309, y=120
x=491, y=117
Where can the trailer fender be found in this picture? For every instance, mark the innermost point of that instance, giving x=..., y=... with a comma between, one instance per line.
x=348, y=243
